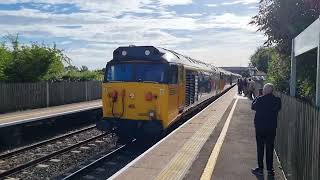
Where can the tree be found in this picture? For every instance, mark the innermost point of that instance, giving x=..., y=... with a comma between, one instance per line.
x=71, y=68
x=261, y=58
x=84, y=68
x=278, y=72
x=281, y=21
x=5, y=58
x=245, y=73
x=34, y=63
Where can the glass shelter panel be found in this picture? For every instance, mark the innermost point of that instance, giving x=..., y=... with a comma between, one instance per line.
x=308, y=39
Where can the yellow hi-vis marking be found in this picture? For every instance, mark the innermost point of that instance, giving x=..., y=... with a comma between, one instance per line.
x=208, y=171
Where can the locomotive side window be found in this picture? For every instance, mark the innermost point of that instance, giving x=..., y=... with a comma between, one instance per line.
x=173, y=79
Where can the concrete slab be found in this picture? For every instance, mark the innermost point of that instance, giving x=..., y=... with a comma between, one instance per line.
x=138, y=174
x=238, y=153
x=172, y=157
x=20, y=117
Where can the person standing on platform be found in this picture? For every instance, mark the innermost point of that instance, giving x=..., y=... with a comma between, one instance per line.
x=251, y=89
x=245, y=86
x=265, y=122
x=239, y=83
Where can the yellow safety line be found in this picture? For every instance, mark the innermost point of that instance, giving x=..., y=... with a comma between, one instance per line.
x=182, y=161
x=208, y=171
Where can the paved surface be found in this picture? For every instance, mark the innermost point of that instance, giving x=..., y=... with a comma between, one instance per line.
x=185, y=153
x=172, y=157
x=37, y=114
x=238, y=153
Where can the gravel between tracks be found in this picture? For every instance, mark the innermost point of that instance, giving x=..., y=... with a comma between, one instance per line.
x=29, y=155
x=63, y=163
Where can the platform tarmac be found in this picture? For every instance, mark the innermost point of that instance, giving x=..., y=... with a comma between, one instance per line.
x=19, y=117
x=218, y=143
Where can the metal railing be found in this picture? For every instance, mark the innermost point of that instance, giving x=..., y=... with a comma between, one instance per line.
x=297, y=141
x=20, y=96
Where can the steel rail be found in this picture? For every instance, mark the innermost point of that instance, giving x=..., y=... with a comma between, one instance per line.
x=94, y=163
x=36, y=161
x=18, y=151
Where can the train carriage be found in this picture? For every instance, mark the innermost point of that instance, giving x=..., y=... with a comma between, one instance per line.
x=146, y=89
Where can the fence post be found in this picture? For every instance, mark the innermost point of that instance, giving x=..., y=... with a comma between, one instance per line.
x=292, y=174
x=293, y=76
x=86, y=87
x=48, y=95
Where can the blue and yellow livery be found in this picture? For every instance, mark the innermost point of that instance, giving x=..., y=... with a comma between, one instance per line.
x=146, y=89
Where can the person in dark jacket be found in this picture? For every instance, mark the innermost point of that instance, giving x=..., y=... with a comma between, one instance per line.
x=240, y=84
x=267, y=107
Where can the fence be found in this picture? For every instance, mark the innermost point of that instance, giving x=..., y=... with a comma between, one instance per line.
x=297, y=142
x=19, y=96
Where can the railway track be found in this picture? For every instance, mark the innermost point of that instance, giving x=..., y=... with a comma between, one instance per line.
x=99, y=163
x=16, y=161
x=105, y=166
x=26, y=148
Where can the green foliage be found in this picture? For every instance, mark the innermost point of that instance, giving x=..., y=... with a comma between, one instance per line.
x=81, y=76
x=281, y=21
x=22, y=63
x=306, y=76
x=71, y=68
x=5, y=57
x=34, y=63
x=261, y=58
x=84, y=69
x=245, y=73
x=278, y=72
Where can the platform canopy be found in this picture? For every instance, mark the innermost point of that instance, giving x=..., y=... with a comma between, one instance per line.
x=306, y=41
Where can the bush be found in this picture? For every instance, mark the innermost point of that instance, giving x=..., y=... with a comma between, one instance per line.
x=39, y=63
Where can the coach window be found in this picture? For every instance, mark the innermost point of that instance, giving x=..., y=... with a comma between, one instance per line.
x=173, y=74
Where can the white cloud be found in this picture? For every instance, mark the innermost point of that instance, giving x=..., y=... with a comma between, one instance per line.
x=212, y=5
x=228, y=20
x=101, y=31
x=241, y=2
x=175, y=2
x=193, y=14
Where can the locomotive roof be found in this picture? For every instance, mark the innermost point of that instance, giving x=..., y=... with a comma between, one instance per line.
x=162, y=54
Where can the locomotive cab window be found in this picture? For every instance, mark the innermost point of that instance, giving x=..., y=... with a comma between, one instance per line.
x=136, y=72
x=181, y=74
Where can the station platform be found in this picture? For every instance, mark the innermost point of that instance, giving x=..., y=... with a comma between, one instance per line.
x=20, y=117
x=217, y=143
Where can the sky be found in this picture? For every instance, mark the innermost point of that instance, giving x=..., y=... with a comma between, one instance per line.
x=213, y=31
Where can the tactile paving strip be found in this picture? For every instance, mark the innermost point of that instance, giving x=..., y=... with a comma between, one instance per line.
x=182, y=161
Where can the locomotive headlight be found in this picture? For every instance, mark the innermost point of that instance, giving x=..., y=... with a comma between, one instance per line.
x=124, y=53
x=147, y=52
x=152, y=114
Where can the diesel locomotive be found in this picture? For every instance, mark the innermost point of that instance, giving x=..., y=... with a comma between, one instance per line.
x=146, y=89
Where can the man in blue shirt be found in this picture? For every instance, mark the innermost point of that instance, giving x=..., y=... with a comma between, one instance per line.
x=265, y=122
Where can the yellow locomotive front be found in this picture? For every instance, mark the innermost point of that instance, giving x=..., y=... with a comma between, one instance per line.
x=136, y=93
